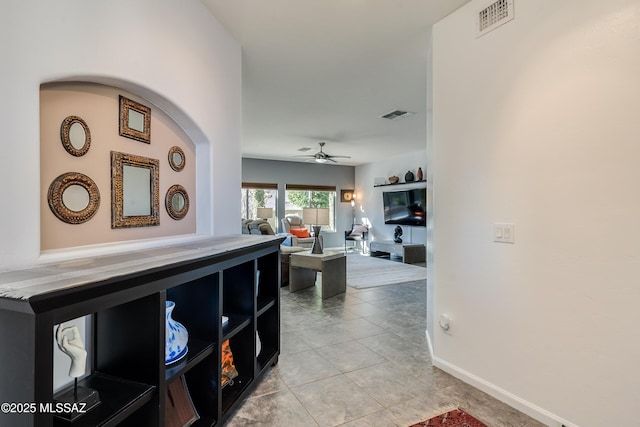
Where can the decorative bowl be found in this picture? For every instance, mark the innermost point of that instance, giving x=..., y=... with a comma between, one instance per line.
x=393, y=179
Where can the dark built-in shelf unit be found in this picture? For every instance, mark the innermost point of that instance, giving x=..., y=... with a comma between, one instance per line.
x=127, y=318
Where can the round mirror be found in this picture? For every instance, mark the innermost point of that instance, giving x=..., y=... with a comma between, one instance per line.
x=177, y=202
x=75, y=136
x=73, y=198
x=176, y=158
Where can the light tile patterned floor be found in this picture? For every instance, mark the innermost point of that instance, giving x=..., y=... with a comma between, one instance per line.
x=361, y=359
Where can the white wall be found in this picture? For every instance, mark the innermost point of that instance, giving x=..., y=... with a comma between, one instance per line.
x=369, y=202
x=536, y=123
x=175, y=54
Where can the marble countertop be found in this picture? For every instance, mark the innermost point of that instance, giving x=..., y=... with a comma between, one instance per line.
x=22, y=284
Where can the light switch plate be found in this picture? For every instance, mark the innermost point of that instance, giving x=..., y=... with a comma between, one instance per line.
x=503, y=232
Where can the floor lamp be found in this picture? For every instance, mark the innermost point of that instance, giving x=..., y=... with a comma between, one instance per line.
x=317, y=217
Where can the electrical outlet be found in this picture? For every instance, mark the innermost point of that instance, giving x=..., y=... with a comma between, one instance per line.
x=445, y=323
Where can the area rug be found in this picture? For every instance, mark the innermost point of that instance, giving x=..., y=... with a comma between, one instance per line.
x=369, y=272
x=456, y=418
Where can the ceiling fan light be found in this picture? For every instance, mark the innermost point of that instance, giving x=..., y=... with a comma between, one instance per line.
x=321, y=160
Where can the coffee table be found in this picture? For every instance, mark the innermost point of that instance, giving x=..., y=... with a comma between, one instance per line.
x=304, y=265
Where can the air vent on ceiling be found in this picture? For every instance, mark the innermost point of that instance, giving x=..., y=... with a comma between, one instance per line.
x=491, y=17
x=397, y=114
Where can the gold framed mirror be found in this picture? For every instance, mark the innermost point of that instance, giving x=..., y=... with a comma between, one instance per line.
x=134, y=191
x=176, y=158
x=73, y=198
x=177, y=202
x=135, y=120
x=75, y=136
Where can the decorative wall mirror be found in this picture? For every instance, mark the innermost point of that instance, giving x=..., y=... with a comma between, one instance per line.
x=176, y=158
x=134, y=191
x=177, y=202
x=135, y=120
x=75, y=136
x=73, y=198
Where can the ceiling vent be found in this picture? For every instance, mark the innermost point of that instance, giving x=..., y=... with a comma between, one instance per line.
x=491, y=17
x=397, y=114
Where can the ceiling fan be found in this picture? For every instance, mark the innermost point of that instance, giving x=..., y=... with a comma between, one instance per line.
x=322, y=157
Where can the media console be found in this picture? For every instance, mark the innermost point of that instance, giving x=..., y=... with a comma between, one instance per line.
x=125, y=296
x=409, y=252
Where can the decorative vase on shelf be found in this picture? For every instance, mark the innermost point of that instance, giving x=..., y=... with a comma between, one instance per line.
x=420, y=175
x=408, y=177
x=177, y=337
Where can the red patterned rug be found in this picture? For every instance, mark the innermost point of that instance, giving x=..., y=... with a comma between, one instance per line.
x=456, y=418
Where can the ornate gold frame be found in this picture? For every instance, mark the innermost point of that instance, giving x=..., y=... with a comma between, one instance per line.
x=176, y=166
x=118, y=220
x=127, y=104
x=173, y=213
x=57, y=206
x=64, y=136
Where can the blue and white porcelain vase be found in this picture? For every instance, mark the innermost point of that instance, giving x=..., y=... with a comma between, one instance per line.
x=176, y=338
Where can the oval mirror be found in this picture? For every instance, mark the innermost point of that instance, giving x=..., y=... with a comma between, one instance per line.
x=75, y=136
x=177, y=202
x=73, y=198
x=176, y=158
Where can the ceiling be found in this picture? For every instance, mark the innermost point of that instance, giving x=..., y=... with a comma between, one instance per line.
x=326, y=70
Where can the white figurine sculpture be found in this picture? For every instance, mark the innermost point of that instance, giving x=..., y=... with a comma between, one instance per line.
x=74, y=348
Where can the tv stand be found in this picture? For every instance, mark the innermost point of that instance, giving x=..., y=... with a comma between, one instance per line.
x=411, y=253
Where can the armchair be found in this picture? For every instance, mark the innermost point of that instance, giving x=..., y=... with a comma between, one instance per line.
x=295, y=222
x=358, y=233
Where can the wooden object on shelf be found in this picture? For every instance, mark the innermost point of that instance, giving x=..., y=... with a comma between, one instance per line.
x=409, y=252
x=124, y=296
x=180, y=411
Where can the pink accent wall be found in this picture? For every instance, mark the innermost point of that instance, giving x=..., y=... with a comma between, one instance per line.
x=98, y=106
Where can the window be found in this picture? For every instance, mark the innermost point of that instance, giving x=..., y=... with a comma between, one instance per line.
x=260, y=195
x=299, y=197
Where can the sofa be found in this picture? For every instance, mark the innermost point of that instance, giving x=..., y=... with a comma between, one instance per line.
x=256, y=226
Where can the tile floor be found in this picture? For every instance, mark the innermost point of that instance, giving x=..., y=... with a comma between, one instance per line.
x=361, y=359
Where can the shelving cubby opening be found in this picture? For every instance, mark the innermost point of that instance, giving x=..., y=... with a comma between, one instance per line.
x=126, y=340
x=202, y=382
x=198, y=307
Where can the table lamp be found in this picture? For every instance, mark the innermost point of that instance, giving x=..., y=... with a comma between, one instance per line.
x=265, y=213
x=316, y=217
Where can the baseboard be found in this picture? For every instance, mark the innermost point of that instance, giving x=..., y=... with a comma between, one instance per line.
x=493, y=390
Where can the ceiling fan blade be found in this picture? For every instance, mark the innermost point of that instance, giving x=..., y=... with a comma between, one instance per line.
x=305, y=155
x=330, y=159
x=338, y=157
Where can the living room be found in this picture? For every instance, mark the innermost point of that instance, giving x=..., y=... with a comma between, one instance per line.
x=533, y=125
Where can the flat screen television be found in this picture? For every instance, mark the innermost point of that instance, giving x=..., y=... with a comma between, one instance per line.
x=406, y=207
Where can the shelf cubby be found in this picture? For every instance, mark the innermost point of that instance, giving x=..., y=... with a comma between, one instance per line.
x=198, y=350
x=119, y=398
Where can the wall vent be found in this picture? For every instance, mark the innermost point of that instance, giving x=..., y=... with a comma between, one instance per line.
x=491, y=17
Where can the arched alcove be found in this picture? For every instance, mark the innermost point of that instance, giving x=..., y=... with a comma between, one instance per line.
x=98, y=106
